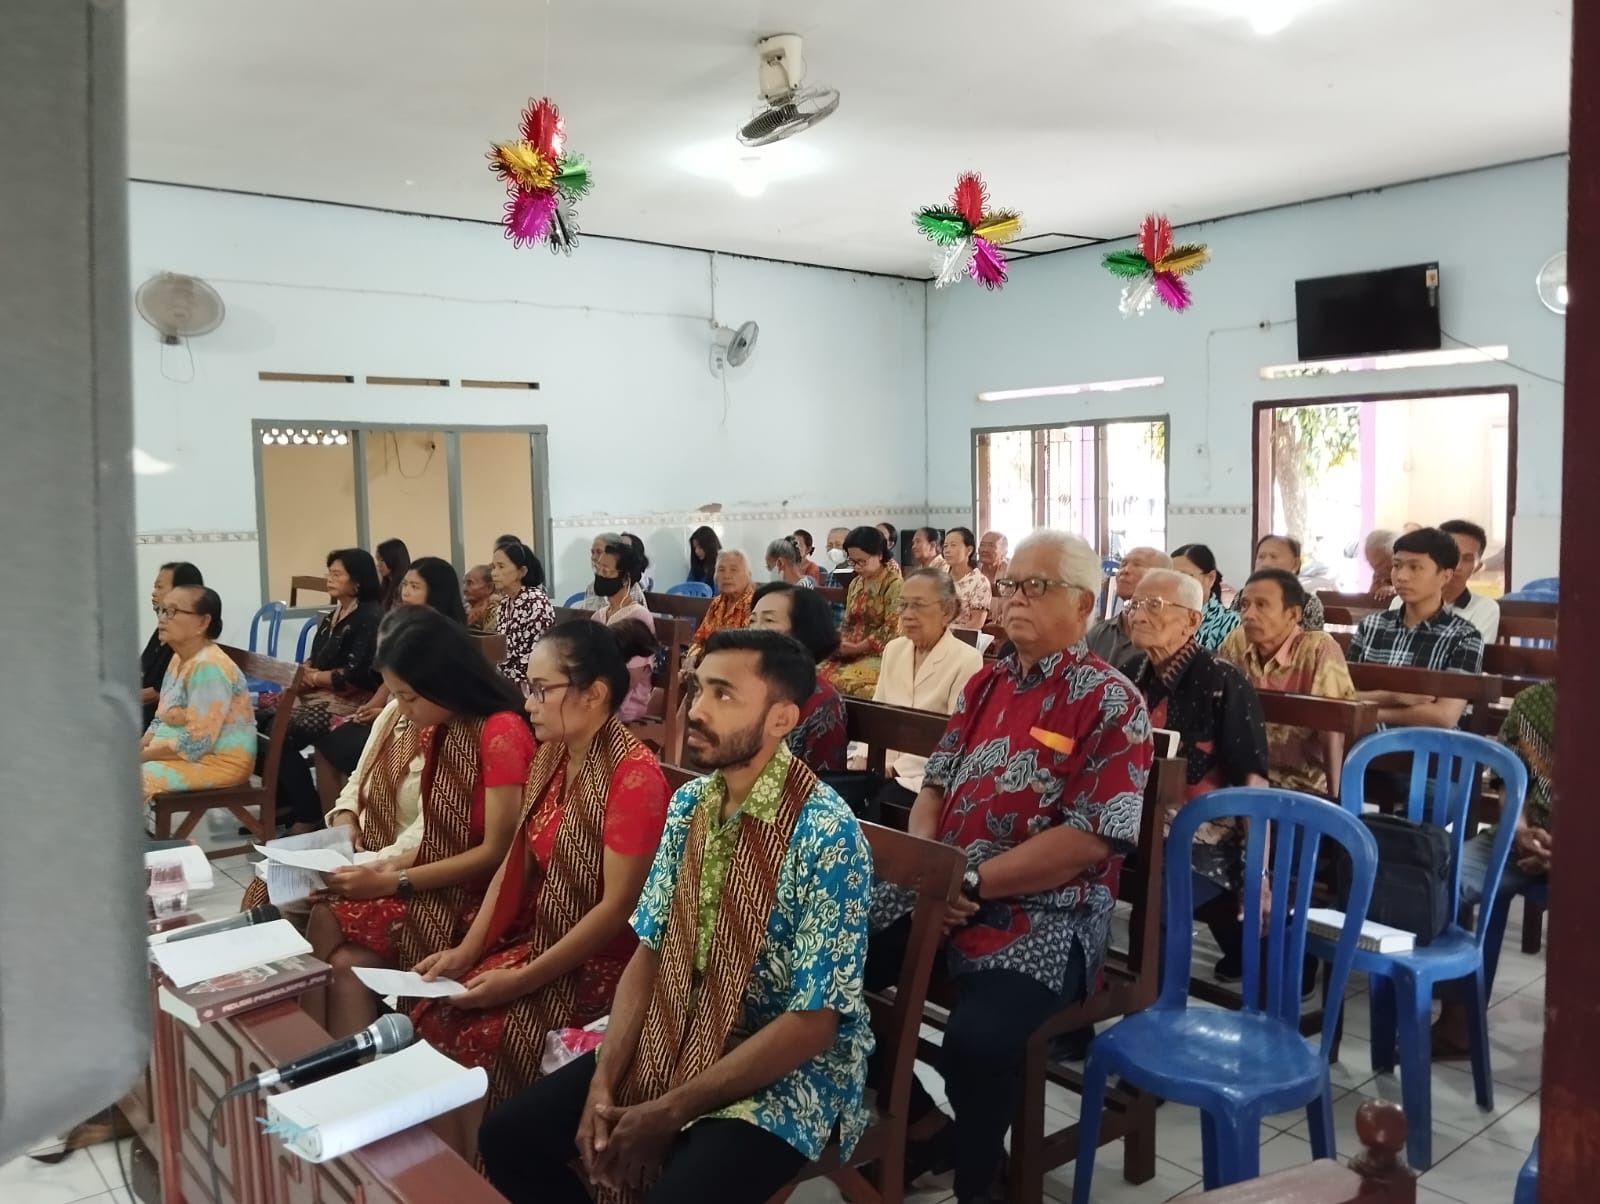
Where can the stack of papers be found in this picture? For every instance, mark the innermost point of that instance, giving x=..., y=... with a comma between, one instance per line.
x=294, y=865
x=228, y=952
x=196, y=868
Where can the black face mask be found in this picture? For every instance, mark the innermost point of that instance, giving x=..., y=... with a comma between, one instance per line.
x=607, y=587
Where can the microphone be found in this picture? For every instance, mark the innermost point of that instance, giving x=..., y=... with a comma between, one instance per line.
x=384, y=1036
x=264, y=914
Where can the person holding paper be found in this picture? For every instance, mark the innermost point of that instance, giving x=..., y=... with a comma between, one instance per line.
x=465, y=722
x=203, y=736
x=737, y=1047
x=555, y=921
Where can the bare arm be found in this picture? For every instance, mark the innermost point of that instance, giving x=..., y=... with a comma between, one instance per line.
x=1044, y=862
x=1333, y=758
x=774, y=1050
x=501, y=807
x=628, y=1010
x=924, y=820
x=1435, y=712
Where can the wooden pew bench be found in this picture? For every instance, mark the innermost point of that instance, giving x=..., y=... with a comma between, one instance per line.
x=678, y=606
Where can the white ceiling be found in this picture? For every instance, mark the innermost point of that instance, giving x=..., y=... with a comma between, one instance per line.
x=1080, y=113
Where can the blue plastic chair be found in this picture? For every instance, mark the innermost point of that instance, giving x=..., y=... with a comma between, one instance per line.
x=1495, y=917
x=1541, y=585
x=1238, y=1067
x=574, y=600
x=1445, y=768
x=306, y=630
x=692, y=589
x=1528, y=1179
x=273, y=613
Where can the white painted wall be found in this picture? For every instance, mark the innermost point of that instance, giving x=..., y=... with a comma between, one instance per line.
x=825, y=424
x=1056, y=322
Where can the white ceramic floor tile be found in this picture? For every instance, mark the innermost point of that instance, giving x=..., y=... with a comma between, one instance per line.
x=1445, y=1137
x=1354, y=1067
x=76, y=1177
x=1454, y=1102
x=1518, y=1127
x=1480, y=1172
x=105, y=1156
x=1111, y=1188
x=1516, y=1040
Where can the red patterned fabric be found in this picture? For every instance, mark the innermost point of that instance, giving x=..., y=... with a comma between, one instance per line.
x=635, y=814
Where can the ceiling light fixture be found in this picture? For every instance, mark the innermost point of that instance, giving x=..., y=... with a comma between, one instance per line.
x=1094, y=386
x=1270, y=16
x=725, y=160
x=1387, y=363
x=749, y=176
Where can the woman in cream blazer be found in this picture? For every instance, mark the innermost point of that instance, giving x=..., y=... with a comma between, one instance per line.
x=925, y=668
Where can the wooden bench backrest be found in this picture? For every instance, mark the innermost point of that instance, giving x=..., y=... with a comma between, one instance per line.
x=1332, y=597
x=1517, y=609
x=1141, y=880
x=1519, y=627
x=882, y=727
x=492, y=644
x=313, y=585
x=1345, y=616
x=678, y=606
x=1511, y=660
x=831, y=595
x=1352, y=720
x=287, y=675
x=1481, y=691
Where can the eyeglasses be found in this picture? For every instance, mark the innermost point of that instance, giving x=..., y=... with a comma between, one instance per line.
x=536, y=690
x=1155, y=605
x=905, y=604
x=1031, y=587
x=166, y=612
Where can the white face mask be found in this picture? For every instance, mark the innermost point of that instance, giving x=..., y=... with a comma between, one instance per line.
x=836, y=556
x=775, y=574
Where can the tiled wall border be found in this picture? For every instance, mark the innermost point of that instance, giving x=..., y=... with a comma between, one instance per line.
x=1210, y=511
x=160, y=537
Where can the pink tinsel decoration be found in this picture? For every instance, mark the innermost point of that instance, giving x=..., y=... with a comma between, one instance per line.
x=987, y=267
x=1172, y=290
x=528, y=216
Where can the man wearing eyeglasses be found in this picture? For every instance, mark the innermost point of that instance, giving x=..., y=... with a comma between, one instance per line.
x=1222, y=738
x=1040, y=779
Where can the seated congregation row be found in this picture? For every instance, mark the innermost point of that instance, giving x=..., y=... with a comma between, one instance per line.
x=580, y=833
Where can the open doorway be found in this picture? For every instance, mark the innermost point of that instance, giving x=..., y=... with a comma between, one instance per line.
x=1328, y=470
x=1105, y=481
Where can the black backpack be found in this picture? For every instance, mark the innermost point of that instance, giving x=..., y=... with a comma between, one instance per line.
x=1412, y=888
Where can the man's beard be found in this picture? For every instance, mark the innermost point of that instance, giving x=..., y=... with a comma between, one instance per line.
x=740, y=748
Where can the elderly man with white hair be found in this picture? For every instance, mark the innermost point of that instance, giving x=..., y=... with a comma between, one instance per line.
x=1040, y=780
x=1222, y=737
x=1108, y=639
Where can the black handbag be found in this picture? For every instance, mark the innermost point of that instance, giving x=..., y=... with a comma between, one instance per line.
x=1412, y=888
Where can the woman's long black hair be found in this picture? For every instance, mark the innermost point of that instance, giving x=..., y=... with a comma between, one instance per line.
x=438, y=659
x=444, y=587
x=396, y=558
x=1202, y=558
x=704, y=570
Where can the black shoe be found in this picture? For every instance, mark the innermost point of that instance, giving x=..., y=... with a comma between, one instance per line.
x=929, y=1156
x=1229, y=969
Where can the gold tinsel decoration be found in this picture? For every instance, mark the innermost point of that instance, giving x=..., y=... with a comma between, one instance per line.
x=521, y=163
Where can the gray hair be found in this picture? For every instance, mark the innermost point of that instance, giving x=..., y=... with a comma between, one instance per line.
x=1186, y=590
x=1160, y=558
x=734, y=554
x=1379, y=539
x=949, y=602
x=609, y=537
x=784, y=549
x=1077, y=563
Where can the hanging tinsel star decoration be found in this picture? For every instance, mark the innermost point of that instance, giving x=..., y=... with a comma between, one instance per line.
x=1156, y=269
x=543, y=178
x=969, y=234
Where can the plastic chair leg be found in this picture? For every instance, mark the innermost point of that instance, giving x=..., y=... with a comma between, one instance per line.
x=1319, y=1119
x=1495, y=916
x=1093, y=1104
x=1380, y=1004
x=1232, y=1148
x=1414, y=1005
x=1210, y=1155
x=1478, y=1040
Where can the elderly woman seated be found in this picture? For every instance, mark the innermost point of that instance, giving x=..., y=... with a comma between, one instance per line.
x=1283, y=552
x=731, y=606
x=819, y=738
x=1222, y=738
x=482, y=603
x=870, y=610
x=926, y=667
x=203, y=736
x=783, y=563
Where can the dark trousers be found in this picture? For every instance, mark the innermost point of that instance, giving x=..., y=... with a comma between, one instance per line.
x=528, y=1149
x=992, y=1015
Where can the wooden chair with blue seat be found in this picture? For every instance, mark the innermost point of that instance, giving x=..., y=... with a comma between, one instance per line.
x=1445, y=770
x=1238, y=1067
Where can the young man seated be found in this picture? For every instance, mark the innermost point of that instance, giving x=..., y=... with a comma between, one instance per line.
x=738, y=1043
x=1421, y=633
x=1483, y=613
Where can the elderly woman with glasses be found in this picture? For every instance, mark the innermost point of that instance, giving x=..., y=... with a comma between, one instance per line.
x=1222, y=737
x=870, y=609
x=1039, y=780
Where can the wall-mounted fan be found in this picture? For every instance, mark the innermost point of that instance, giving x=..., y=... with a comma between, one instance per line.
x=180, y=307
x=786, y=108
x=730, y=347
x=1552, y=282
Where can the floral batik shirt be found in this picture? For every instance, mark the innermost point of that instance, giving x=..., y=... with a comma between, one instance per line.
x=814, y=954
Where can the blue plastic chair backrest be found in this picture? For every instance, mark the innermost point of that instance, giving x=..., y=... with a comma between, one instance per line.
x=1445, y=767
x=306, y=629
x=691, y=589
x=1296, y=824
x=573, y=601
x=1541, y=585
x=272, y=612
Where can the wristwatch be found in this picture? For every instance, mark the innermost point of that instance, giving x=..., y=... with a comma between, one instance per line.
x=403, y=886
x=971, y=884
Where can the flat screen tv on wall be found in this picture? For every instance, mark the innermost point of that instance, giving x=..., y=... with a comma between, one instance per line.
x=1368, y=313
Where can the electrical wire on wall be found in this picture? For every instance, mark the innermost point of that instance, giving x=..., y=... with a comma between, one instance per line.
x=1508, y=363
x=399, y=466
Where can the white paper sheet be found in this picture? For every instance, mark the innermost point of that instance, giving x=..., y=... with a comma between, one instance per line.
x=405, y=984
x=369, y=1103
x=317, y=860
x=188, y=962
x=197, y=870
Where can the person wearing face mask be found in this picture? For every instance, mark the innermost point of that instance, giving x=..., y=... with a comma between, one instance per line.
x=783, y=564
x=616, y=577
x=550, y=943
x=597, y=549
x=838, y=560
x=463, y=722
x=156, y=656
